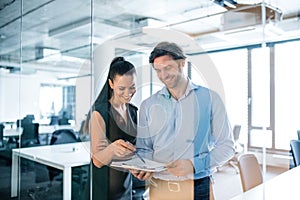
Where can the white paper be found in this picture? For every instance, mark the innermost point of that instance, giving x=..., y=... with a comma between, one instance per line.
x=137, y=164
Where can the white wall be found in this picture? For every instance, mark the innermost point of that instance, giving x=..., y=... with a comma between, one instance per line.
x=84, y=98
x=18, y=97
x=19, y=94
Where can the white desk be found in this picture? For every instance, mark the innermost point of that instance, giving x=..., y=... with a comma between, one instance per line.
x=61, y=156
x=14, y=132
x=45, y=130
x=283, y=186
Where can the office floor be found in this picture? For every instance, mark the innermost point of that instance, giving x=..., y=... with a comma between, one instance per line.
x=227, y=184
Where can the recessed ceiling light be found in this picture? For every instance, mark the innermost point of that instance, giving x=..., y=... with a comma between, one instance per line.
x=2, y=36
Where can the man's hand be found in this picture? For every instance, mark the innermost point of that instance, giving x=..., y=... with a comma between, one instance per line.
x=142, y=175
x=181, y=168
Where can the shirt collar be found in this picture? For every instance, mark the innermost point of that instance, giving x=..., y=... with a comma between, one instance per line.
x=190, y=86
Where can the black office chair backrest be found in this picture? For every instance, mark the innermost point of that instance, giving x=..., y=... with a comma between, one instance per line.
x=30, y=117
x=1, y=135
x=295, y=148
x=63, y=121
x=63, y=136
x=298, y=133
x=25, y=121
x=30, y=135
x=54, y=120
x=18, y=123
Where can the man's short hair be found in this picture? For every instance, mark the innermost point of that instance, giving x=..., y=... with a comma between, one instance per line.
x=167, y=48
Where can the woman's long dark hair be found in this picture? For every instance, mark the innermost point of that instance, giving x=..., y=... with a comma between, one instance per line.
x=118, y=66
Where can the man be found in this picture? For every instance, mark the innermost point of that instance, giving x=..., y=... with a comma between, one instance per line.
x=185, y=126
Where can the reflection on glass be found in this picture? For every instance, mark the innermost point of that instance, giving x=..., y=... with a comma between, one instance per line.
x=260, y=87
x=233, y=73
x=287, y=107
x=261, y=138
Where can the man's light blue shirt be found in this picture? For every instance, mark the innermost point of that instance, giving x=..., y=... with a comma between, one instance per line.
x=194, y=127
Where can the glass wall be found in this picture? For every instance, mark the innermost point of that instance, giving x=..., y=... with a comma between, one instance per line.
x=46, y=92
x=233, y=69
x=260, y=98
x=286, y=95
x=54, y=60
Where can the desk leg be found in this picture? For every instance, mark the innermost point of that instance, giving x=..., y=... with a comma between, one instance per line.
x=67, y=183
x=14, y=175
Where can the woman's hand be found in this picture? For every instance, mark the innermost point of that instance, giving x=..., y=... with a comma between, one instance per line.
x=121, y=149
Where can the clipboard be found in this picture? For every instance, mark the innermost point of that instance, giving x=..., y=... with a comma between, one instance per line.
x=137, y=164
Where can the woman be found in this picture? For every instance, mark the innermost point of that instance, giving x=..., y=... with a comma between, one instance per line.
x=112, y=127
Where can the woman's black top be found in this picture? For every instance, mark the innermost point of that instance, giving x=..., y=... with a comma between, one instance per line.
x=107, y=182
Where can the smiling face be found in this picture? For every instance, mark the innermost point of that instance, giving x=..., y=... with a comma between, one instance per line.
x=124, y=87
x=168, y=70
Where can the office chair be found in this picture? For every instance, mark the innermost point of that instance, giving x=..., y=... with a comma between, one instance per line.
x=298, y=133
x=30, y=117
x=295, y=149
x=63, y=121
x=250, y=171
x=30, y=135
x=79, y=174
x=63, y=136
x=30, y=138
x=18, y=123
x=1, y=136
x=53, y=120
x=5, y=152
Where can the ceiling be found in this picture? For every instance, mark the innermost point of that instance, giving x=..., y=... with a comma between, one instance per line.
x=56, y=35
